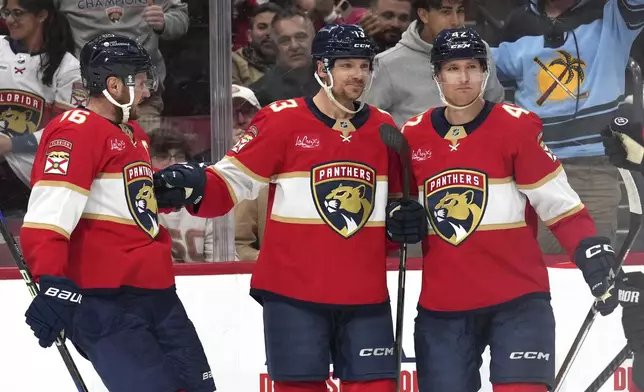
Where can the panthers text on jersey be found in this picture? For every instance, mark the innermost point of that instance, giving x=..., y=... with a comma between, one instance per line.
x=192, y=237
x=480, y=184
x=92, y=214
x=26, y=104
x=325, y=240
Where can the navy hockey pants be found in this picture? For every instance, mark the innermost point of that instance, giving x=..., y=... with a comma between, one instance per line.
x=142, y=343
x=301, y=341
x=521, y=337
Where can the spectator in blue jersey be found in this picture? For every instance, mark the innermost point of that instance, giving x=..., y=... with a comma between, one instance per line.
x=568, y=58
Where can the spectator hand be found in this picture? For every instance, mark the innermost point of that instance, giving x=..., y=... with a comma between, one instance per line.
x=596, y=259
x=623, y=144
x=52, y=310
x=406, y=222
x=631, y=297
x=6, y=144
x=180, y=185
x=370, y=23
x=153, y=15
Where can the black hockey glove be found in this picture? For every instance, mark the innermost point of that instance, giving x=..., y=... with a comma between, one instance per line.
x=406, y=222
x=180, y=185
x=596, y=259
x=52, y=310
x=631, y=297
x=623, y=144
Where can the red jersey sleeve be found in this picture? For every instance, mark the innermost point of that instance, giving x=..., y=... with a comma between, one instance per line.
x=540, y=176
x=249, y=165
x=66, y=164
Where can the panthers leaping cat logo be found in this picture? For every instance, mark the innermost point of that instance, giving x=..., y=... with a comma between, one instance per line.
x=455, y=202
x=344, y=194
x=146, y=205
x=141, y=200
x=350, y=204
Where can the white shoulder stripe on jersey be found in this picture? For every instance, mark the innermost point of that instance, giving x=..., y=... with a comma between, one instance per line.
x=244, y=184
x=107, y=200
x=553, y=199
x=55, y=204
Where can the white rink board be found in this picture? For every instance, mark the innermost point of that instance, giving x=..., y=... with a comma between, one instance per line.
x=229, y=323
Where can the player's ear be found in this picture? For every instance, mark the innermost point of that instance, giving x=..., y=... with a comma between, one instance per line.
x=320, y=69
x=113, y=85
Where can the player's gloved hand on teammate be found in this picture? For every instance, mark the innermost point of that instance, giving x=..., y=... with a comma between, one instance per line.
x=623, y=144
x=595, y=258
x=631, y=297
x=406, y=222
x=52, y=310
x=179, y=185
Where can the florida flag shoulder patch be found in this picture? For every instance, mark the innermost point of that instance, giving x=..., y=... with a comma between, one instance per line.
x=57, y=163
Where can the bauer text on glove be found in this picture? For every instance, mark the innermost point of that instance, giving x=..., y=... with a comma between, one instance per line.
x=52, y=310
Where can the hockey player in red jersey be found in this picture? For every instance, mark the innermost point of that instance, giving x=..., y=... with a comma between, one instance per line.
x=478, y=166
x=92, y=240
x=321, y=274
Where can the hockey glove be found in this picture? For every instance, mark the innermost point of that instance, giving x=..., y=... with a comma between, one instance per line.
x=596, y=258
x=180, y=185
x=623, y=144
x=406, y=222
x=631, y=297
x=52, y=310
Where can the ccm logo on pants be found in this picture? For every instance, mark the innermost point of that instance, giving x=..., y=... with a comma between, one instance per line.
x=376, y=352
x=529, y=355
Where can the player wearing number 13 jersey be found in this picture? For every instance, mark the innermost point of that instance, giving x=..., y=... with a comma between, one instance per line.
x=321, y=272
x=481, y=170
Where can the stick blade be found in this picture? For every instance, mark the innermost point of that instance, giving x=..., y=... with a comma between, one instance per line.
x=393, y=138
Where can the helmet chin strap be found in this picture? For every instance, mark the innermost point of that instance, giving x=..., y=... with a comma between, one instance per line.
x=125, y=107
x=451, y=105
x=329, y=93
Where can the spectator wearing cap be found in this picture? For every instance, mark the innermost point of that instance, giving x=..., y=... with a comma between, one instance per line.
x=292, y=76
x=250, y=215
x=145, y=22
x=568, y=59
x=252, y=61
x=403, y=76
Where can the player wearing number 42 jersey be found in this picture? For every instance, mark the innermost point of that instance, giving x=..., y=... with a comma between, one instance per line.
x=321, y=274
x=91, y=230
x=481, y=169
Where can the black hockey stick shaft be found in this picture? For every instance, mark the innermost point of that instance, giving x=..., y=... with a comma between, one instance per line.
x=633, y=185
x=609, y=370
x=33, y=290
x=394, y=139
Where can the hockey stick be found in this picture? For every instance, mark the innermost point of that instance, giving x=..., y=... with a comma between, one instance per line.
x=609, y=370
x=395, y=140
x=33, y=290
x=634, y=192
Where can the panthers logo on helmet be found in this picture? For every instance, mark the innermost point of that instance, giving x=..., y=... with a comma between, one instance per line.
x=455, y=201
x=139, y=190
x=344, y=193
x=20, y=112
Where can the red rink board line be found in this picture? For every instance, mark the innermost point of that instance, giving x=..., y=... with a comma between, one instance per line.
x=246, y=267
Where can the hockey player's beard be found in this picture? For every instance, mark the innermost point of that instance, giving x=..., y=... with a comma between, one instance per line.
x=124, y=99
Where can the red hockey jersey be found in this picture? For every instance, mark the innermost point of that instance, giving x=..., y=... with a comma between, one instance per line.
x=325, y=240
x=92, y=214
x=477, y=182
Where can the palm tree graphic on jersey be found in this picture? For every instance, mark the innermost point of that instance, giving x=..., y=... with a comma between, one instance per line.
x=571, y=70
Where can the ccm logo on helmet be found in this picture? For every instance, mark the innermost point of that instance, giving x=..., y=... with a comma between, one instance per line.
x=361, y=45
x=529, y=355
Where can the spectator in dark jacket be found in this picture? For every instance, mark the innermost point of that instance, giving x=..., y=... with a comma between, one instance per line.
x=292, y=76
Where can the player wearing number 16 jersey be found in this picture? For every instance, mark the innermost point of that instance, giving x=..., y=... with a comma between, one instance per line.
x=481, y=170
x=92, y=239
x=321, y=274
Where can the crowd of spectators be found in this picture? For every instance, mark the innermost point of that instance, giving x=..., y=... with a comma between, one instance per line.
x=562, y=59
